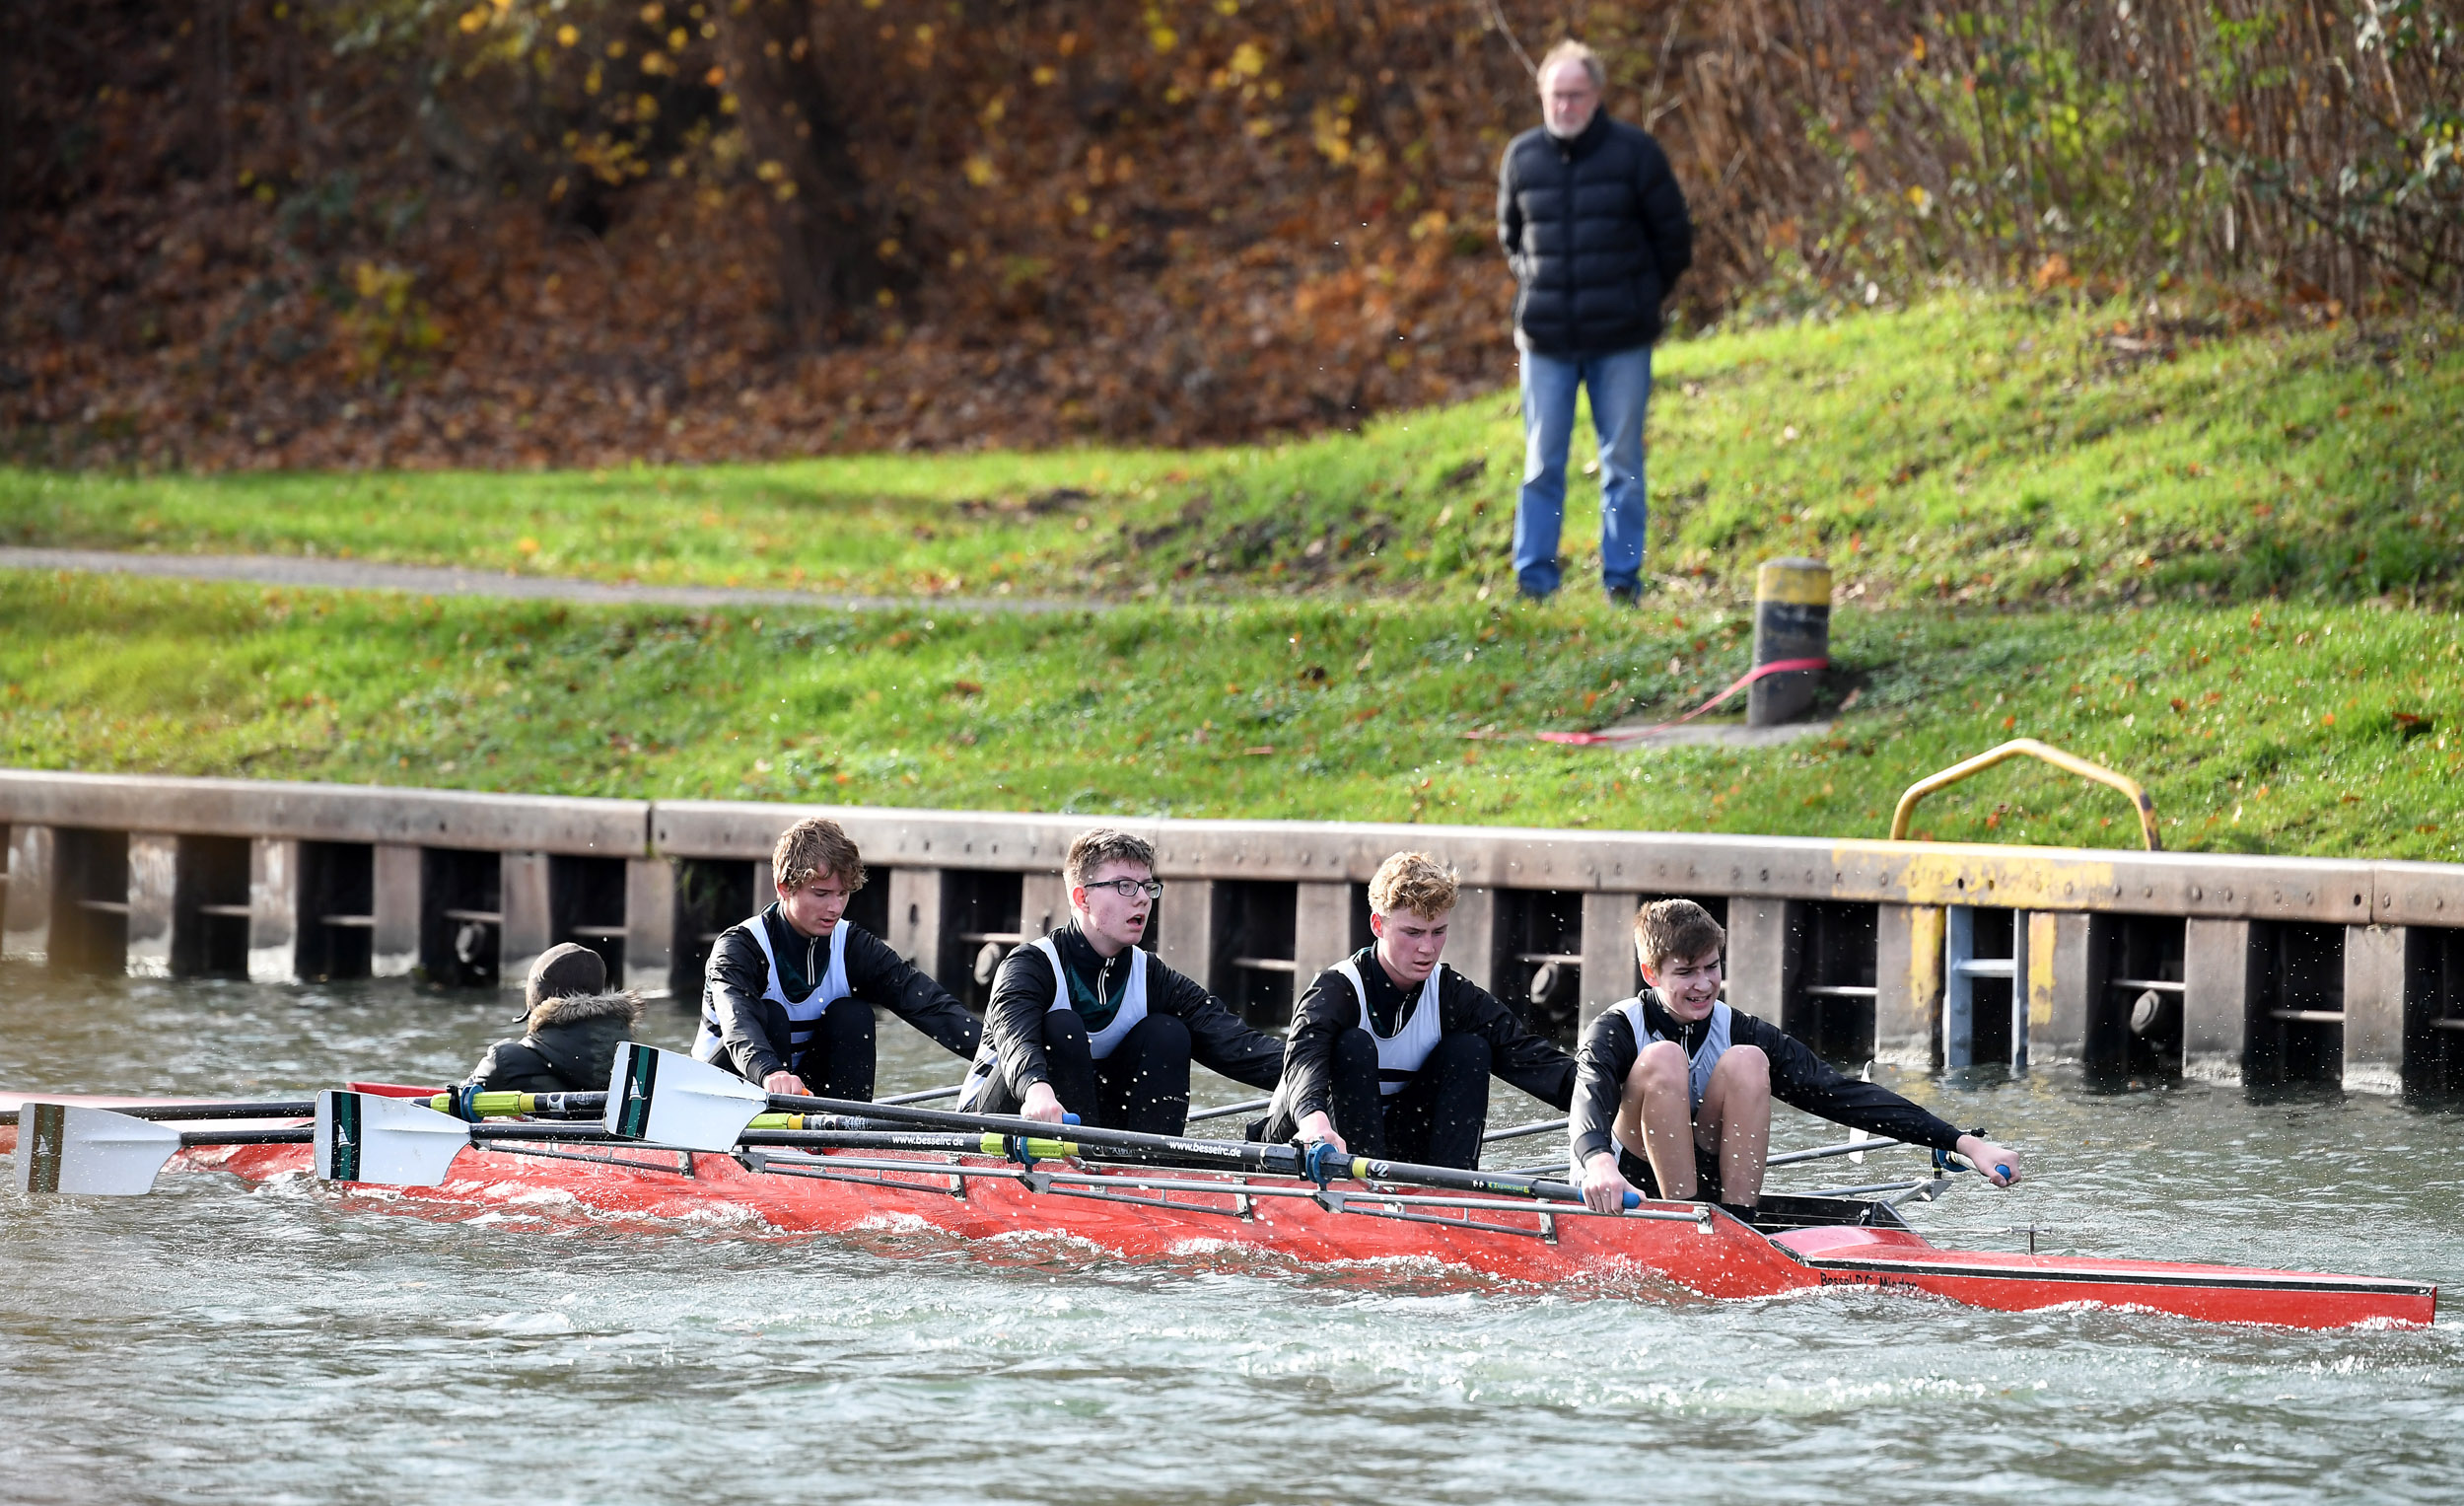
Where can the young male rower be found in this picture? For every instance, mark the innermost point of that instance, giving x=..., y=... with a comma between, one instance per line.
x=1391, y=1051
x=787, y=996
x=1084, y=1022
x=1673, y=1092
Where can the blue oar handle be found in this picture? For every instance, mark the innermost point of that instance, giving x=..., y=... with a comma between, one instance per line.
x=1942, y=1162
x=1069, y=1119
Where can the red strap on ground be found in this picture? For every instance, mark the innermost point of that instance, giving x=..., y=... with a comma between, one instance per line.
x=1637, y=734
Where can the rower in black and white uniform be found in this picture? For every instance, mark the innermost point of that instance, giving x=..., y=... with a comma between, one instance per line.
x=1673, y=1088
x=787, y=996
x=1391, y=1051
x=1087, y=1022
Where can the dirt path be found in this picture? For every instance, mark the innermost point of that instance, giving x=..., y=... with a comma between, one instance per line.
x=443, y=580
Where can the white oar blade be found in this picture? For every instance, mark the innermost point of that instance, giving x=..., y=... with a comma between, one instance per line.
x=93, y=1152
x=394, y=1142
x=668, y=1098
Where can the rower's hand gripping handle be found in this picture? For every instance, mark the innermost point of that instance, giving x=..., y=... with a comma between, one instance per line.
x=1946, y=1161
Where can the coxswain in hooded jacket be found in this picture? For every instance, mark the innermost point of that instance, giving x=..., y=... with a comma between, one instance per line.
x=568, y=1045
x=1596, y=229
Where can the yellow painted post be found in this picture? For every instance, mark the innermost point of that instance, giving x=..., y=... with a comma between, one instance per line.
x=2040, y=967
x=1927, y=925
x=1792, y=621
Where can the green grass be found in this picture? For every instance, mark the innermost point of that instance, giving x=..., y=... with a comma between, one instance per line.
x=1971, y=450
x=1316, y=707
x=2230, y=572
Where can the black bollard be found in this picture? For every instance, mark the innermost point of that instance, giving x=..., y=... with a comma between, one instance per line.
x=1792, y=621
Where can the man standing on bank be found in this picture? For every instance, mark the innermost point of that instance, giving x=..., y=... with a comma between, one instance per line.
x=1675, y=1094
x=1391, y=1051
x=787, y=1000
x=1596, y=233
x=1084, y=1022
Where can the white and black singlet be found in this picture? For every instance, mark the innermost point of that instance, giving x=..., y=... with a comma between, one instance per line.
x=1400, y=1055
x=801, y=1014
x=1099, y=1043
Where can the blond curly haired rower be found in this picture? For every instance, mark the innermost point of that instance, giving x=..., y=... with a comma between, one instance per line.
x=1391, y=1051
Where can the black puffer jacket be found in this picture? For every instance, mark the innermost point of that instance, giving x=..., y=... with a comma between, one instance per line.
x=568, y=1045
x=1596, y=231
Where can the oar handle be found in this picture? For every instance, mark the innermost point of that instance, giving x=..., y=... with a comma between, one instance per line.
x=469, y=1101
x=1953, y=1160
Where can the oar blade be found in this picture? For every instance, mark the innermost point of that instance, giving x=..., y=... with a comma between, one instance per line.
x=91, y=1152
x=387, y=1141
x=668, y=1097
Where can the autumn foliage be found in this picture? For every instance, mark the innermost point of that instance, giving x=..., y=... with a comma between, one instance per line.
x=423, y=233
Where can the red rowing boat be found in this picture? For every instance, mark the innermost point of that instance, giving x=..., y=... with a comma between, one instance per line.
x=1161, y=1214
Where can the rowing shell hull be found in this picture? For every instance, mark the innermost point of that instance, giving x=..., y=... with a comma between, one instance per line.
x=1719, y=1258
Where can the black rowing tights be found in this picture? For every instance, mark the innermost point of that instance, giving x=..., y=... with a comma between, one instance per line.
x=1436, y=1120
x=837, y=1062
x=1142, y=1086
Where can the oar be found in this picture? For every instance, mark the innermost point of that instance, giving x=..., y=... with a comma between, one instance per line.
x=925, y=1097
x=284, y=1108
x=1522, y=1131
x=670, y=1099
x=1198, y=1116
x=1822, y=1152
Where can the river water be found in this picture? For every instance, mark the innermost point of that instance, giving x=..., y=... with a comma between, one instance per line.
x=219, y=1343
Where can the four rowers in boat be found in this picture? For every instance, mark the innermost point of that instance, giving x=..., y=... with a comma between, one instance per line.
x=783, y=996
x=1673, y=1095
x=1389, y=1055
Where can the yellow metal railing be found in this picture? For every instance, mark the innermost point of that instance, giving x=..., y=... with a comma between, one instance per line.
x=2069, y=761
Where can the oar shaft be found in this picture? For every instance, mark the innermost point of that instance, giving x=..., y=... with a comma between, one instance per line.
x=1363, y=1169
x=1823, y=1152
x=1275, y=1160
x=1522, y=1131
x=909, y=1140
x=280, y=1109
x=296, y=1135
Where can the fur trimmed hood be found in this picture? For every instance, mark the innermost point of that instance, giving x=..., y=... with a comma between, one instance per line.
x=578, y=1009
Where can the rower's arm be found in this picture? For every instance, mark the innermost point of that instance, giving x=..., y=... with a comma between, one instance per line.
x=731, y=985
x=1803, y=1080
x=1325, y=1011
x=1218, y=1038
x=879, y=975
x=1602, y=1065
x=1014, y=1017
x=1515, y=1055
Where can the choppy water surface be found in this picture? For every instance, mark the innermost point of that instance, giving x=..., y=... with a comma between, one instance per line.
x=216, y=1343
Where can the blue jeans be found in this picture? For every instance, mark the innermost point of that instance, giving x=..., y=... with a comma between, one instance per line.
x=1621, y=389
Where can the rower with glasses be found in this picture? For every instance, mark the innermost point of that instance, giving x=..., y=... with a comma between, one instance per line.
x=1086, y=1022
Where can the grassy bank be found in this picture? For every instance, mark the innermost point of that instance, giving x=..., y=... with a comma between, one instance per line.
x=1971, y=450
x=2304, y=730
